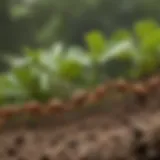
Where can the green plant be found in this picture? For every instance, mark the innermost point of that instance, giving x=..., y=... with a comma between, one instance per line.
x=58, y=71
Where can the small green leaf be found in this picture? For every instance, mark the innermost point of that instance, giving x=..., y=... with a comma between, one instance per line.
x=24, y=76
x=121, y=49
x=151, y=44
x=79, y=55
x=70, y=70
x=120, y=59
x=33, y=55
x=147, y=66
x=10, y=88
x=96, y=43
x=145, y=27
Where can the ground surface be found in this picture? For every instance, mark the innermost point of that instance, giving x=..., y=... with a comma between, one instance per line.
x=128, y=130
x=91, y=138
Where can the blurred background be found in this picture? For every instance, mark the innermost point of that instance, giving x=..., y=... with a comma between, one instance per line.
x=39, y=23
x=105, y=38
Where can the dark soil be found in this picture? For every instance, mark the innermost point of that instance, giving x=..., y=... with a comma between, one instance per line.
x=135, y=137
x=128, y=130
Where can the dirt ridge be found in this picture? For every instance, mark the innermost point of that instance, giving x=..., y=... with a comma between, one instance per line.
x=125, y=126
x=82, y=99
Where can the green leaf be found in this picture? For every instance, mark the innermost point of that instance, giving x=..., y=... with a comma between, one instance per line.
x=10, y=89
x=51, y=58
x=122, y=49
x=96, y=43
x=120, y=59
x=147, y=66
x=33, y=55
x=70, y=70
x=79, y=55
x=151, y=44
x=145, y=27
x=24, y=76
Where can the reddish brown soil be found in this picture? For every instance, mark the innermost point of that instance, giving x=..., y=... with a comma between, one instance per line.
x=123, y=128
x=95, y=136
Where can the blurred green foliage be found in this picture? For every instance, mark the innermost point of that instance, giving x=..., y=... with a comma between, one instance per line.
x=59, y=70
x=39, y=23
x=93, y=40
